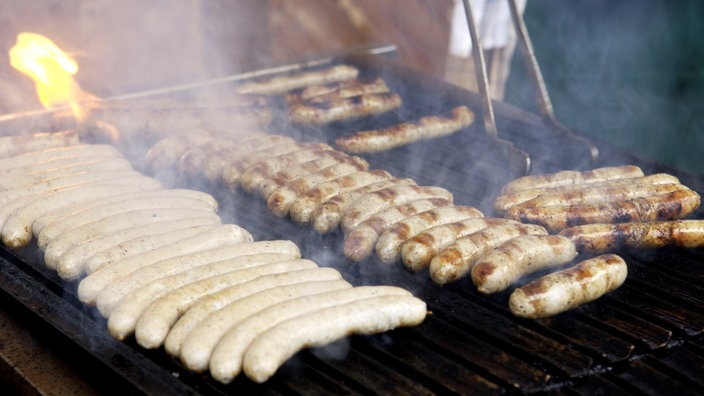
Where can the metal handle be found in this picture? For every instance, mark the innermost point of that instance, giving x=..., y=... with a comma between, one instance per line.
x=481, y=74
x=541, y=92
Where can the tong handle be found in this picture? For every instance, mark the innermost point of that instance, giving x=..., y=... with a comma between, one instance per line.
x=481, y=74
x=541, y=92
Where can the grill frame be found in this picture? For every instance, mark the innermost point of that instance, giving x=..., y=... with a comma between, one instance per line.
x=640, y=338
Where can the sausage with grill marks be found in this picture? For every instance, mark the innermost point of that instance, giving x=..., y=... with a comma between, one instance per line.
x=359, y=243
x=593, y=195
x=328, y=215
x=191, y=163
x=337, y=90
x=418, y=251
x=369, y=204
x=254, y=175
x=284, y=83
x=500, y=268
x=216, y=164
x=566, y=289
x=321, y=327
x=429, y=127
x=388, y=247
x=325, y=159
x=280, y=201
x=572, y=192
x=565, y=178
x=305, y=205
x=668, y=206
x=601, y=238
x=232, y=171
x=456, y=260
x=210, y=160
x=162, y=158
x=344, y=109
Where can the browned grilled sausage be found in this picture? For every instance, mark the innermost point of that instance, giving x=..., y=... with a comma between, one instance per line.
x=520, y=256
x=282, y=84
x=327, y=216
x=337, y=90
x=417, y=252
x=609, y=189
x=564, y=178
x=359, y=243
x=456, y=260
x=280, y=201
x=325, y=159
x=255, y=174
x=388, y=247
x=193, y=161
x=563, y=290
x=164, y=156
x=344, y=109
x=429, y=127
x=600, y=238
x=601, y=194
x=305, y=205
x=230, y=170
x=369, y=204
x=219, y=160
x=669, y=206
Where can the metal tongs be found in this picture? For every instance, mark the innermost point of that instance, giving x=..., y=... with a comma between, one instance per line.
x=520, y=160
x=542, y=97
x=541, y=92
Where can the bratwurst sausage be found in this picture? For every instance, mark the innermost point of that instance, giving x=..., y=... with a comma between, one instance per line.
x=669, y=206
x=565, y=178
x=563, y=290
x=505, y=265
x=600, y=238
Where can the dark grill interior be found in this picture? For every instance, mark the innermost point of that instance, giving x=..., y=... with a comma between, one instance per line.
x=644, y=337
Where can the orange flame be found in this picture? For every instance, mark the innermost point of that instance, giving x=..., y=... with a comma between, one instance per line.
x=51, y=69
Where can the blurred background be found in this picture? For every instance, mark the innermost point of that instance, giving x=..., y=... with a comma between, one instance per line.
x=629, y=72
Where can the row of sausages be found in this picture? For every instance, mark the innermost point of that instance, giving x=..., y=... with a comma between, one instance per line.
x=392, y=218
x=159, y=263
x=337, y=93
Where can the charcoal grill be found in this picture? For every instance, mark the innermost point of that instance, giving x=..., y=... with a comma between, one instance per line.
x=645, y=337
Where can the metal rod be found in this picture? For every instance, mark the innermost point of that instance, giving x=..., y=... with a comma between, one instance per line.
x=544, y=104
x=541, y=92
x=481, y=74
x=315, y=60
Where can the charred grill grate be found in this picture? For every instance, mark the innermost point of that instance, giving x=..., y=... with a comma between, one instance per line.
x=644, y=337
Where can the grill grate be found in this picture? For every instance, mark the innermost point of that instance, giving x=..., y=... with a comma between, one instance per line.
x=644, y=337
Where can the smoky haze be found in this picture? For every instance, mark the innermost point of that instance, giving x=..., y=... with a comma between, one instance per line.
x=132, y=45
